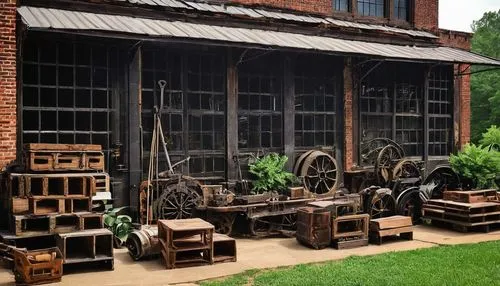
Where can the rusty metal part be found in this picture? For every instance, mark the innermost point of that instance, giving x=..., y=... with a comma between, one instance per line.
x=272, y=224
x=223, y=222
x=409, y=203
x=320, y=173
x=405, y=169
x=298, y=163
x=380, y=203
x=385, y=163
x=143, y=243
x=440, y=178
x=179, y=197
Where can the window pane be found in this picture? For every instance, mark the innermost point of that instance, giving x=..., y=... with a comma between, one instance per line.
x=371, y=8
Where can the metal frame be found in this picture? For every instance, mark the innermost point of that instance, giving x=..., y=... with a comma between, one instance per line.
x=377, y=4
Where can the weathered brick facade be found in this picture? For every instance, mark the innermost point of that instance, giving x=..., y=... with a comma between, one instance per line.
x=426, y=15
x=7, y=81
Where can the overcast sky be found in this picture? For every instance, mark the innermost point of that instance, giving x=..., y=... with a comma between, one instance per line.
x=459, y=14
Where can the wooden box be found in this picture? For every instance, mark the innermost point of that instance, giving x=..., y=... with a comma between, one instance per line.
x=314, y=227
x=38, y=266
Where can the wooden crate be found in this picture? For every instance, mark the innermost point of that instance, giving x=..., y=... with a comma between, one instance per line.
x=90, y=221
x=350, y=226
x=66, y=223
x=314, y=227
x=68, y=185
x=61, y=147
x=31, y=225
x=50, y=160
x=390, y=222
x=74, y=205
x=186, y=242
x=224, y=248
x=19, y=205
x=87, y=246
x=46, y=205
x=339, y=207
x=38, y=266
x=471, y=196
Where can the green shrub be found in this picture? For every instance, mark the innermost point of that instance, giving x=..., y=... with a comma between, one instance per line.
x=478, y=164
x=270, y=173
x=491, y=136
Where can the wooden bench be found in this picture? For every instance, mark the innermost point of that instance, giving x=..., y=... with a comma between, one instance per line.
x=391, y=226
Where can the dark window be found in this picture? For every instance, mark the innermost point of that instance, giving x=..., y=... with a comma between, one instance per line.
x=401, y=9
x=342, y=5
x=67, y=92
x=193, y=115
x=440, y=112
x=371, y=8
x=315, y=103
x=392, y=107
x=260, y=104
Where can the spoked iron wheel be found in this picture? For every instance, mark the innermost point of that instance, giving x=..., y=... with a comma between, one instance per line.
x=320, y=173
x=371, y=148
x=442, y=177
x=385, y=163
x=177, y=200
x=380, y=205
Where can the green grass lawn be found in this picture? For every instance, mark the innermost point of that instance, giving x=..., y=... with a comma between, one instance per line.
x=473, y=264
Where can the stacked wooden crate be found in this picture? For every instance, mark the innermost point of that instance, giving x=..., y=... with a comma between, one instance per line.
x=51, y=195
x=465, y=210
x=391, y=226
x=192, y=242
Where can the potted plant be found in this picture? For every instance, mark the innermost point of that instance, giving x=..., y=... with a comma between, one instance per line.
x=270, y=175
x=120, y=225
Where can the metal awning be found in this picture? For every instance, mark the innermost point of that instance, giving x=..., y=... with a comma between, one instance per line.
x=55, y=19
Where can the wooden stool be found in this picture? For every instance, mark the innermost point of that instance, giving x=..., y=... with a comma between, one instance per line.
x=391, y=226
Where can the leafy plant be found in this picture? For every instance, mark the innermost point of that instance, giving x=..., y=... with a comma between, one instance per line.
x=270, y=173
x=478, y=164
x=120, y=225
x=491, y=137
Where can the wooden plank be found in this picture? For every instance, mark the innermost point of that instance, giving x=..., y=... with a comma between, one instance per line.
x=231, y=115
x=62, y=147
x=20, y=205
x=395, y=231
x=348, y=244
x=390, y=222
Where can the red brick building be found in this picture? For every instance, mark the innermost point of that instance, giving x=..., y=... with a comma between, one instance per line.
x=241, y=76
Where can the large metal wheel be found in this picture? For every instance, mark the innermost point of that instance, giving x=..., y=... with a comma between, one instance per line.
x=371, y=148
x=440, y=178
x=380, y=204
x=178, y=199
x=299, y=162
x=320, y=173
x=386, y=160
x=409, y=203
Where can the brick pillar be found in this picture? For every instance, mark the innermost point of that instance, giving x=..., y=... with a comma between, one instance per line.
x=465, y=113
x=7, y=81
x=348, y=112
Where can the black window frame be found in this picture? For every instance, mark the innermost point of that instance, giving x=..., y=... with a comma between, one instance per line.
x=365, y=8
x=402, y=12
x=342, y=5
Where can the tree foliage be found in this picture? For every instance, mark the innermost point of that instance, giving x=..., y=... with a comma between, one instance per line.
x=485, y=86
x=491, y=137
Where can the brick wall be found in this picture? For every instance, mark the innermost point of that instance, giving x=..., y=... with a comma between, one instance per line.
x=348, y=112
x=311, y=6
x=426, y=15
x=455, y=39
x=7, y=81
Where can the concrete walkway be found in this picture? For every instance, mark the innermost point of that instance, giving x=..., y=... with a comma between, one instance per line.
x=263, y=253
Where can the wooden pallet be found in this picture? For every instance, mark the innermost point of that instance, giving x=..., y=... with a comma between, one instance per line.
x=462, y=217
x=88, y=246
x=391, y=226
x=68, y=184
x=471, y=196
x=463, y=208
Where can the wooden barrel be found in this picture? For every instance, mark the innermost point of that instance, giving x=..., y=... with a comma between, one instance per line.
x=143, y=243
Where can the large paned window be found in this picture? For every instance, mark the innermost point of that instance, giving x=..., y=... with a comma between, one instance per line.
x=401, y=9
x=391, y=106
x=440, y=111
x=67, y=92
x=315, y=103
x=193, y=112
x=374, y=8
x=260, y=88
x=341, y=5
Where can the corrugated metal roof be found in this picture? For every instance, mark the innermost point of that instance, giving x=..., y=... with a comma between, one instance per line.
x=261, y=13
x=45, y=18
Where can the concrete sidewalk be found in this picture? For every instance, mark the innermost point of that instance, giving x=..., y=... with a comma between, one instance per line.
x=253, y=253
